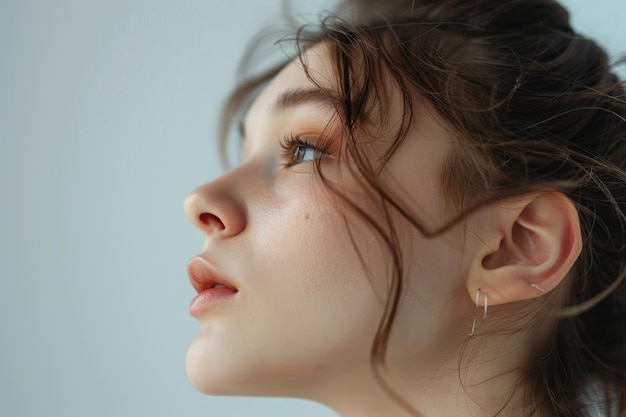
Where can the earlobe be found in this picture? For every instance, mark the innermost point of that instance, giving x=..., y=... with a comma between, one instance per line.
x=524, y=247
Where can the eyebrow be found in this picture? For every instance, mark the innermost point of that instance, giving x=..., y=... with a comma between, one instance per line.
x=294, y=97
x=303, y=96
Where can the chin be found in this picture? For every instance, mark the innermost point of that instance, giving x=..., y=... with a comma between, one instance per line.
x=224, y=373
x=211, y=373
x=215, y=370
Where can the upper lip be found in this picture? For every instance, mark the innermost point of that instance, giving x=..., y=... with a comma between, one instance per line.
x=203, y=276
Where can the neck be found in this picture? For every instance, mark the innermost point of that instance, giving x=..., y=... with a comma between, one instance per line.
x=481, y=383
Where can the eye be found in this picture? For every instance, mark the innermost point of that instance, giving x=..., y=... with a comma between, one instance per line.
x=303, y=153
x=297, y=151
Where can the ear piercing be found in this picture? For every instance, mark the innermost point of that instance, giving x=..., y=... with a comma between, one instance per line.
x=485, y=304
x=537, y=287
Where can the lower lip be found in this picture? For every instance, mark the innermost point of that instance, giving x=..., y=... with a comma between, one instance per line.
x=204, y=300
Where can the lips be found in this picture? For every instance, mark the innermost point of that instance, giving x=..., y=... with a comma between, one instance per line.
x=211, y=287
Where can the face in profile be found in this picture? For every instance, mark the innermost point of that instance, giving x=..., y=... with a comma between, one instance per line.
x=293, y=283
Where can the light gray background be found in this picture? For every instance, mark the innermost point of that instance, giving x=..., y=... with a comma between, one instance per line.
x=107, y=117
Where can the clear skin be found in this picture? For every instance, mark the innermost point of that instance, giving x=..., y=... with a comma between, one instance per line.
x=306, y=311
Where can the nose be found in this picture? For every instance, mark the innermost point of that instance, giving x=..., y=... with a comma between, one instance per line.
x=215, y=209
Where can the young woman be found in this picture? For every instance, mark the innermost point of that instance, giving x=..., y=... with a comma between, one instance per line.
x=427, y=220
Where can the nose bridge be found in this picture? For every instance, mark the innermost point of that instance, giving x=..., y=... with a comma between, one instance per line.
x=217, y=207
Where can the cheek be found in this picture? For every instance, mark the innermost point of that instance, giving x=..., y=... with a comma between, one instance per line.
x=307, y=250
x=324, y=288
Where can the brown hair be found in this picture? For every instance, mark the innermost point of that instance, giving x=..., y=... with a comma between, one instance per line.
x=529, y=104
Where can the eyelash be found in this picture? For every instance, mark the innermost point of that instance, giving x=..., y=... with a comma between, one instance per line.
x=291, y=143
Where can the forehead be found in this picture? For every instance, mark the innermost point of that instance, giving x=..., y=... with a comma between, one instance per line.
x=319, y=64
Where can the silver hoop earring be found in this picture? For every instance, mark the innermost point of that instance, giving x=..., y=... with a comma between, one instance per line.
x=485, y=306
x=537, y=287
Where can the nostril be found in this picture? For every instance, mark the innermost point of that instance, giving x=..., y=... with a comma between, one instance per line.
x=212, y=220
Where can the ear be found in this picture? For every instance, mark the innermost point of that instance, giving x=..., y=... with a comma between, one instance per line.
x=523, y=247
